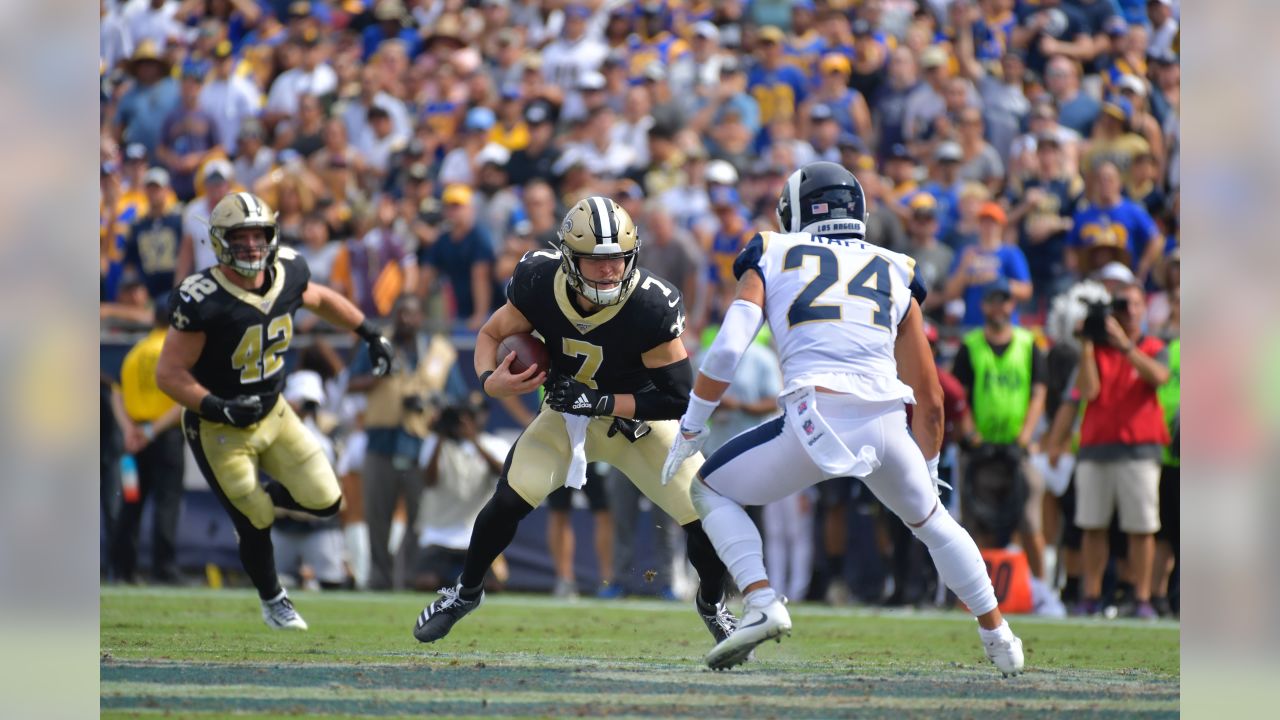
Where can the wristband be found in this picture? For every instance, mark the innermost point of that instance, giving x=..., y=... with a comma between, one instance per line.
x=367, y=331
x=484, y=378
x=933, y=465
x=148, y=432
x=696, y=416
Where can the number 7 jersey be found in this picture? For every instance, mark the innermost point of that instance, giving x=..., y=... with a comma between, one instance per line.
x=246, y=332
x=834, y=305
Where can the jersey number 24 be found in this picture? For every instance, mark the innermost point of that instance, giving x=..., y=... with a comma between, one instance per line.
x=870, y=283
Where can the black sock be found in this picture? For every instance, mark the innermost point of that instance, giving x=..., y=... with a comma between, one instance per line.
x=258, y=557
x=495, y=527
x=703, y=557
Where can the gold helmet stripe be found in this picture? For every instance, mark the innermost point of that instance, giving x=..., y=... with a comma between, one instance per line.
x=602, y=218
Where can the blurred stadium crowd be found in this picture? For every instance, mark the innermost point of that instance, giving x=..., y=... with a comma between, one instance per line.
x=1024, y=152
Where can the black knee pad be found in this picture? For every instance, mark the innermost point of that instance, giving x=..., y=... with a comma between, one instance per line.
x=327, y=512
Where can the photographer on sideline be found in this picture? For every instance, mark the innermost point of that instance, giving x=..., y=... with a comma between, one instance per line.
x=397, y=418
x=460, y=467
x=1121, y=438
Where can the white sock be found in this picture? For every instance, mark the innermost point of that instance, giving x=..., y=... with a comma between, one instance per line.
x=357, y=538
x=735, y=537
x=1002, y=632
x=761, y=598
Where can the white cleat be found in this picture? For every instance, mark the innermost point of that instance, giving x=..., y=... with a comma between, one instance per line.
x=279, y=614
x=758, y=624
x=1005, y=651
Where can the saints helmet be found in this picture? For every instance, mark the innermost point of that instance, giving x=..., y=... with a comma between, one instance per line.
x=598, y=227
x=241, y=210
x=823, y=198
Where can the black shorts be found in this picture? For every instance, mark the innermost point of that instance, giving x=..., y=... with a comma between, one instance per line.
x=1170, y=504
x=597, y=499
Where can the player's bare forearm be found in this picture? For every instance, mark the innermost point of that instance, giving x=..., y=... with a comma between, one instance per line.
x=917, y=369
x=1034, y=410
x=504, y=322
x=709, y=389
x=332, y=307
x=173, y=369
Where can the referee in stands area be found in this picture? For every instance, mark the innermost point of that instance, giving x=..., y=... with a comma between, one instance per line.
x=152, y=434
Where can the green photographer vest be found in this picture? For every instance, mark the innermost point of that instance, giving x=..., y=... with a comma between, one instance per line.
x=1001, y=385
x=1170, y=394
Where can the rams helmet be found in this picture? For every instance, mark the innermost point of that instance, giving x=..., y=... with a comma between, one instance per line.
x=598, y=227
x=242, y=210
x=823, y=198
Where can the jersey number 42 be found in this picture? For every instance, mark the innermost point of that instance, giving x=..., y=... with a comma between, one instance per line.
x=871, y=282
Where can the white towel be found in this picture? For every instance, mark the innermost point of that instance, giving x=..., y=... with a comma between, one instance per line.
x=823, y=445
x=1056, y=479
x=577, y=427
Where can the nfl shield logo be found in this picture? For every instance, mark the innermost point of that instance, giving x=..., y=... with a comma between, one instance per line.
x=803, y=408
x=808, y=427
x=818, y=208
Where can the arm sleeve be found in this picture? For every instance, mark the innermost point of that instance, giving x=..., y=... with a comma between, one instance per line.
x=1039, y=367
x=750, y=257
x=667, y=401
x=741, y=323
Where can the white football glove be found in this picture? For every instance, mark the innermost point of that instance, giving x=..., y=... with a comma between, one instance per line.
x=933, y=475
x=686, y=445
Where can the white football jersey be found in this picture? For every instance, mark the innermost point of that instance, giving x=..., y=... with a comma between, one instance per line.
x=834, y=305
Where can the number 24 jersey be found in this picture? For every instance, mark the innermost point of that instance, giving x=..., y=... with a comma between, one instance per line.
x=246, y=332
x=834, y=305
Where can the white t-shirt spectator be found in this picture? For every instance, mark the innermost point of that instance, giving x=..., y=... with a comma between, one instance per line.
x=159, y=25
x=229, y=102
x=611, y=162
x=292, y=84
x=356, y=117
x=114, y=41
x=195, y=223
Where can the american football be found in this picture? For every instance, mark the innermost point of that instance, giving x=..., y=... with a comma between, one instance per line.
x=529, y=350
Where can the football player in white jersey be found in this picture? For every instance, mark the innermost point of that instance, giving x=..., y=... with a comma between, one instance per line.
x=846, y=318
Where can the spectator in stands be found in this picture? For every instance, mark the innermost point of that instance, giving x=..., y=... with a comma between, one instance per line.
x=497, y=204
x=964, y=231
x=980, y=162
x=933, y=259
x=1042, y=209
x=670, y=253
x=309, y=135
x=148, y=100
x=1164, y=313
x=464, y=256
x=1043, y=122
x=310, y=549
x=778, y=88
x=990, y=261
x=1113, y=227
x=1004, y=376
x=196, y=252
x=153, y=435
x=1121, y=438
x=1076, y=109
x=377, y=268
x=230, y=99
x=460, y=465
x=944, y=183
x=1113, y=139
x=151, y=249
x=398, y=414
x=254, y=158
x=536, y=158
x=313, y=76
x=847, y=106
x=1167, y=554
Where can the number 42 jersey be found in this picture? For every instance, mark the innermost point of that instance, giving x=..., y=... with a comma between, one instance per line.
x=834, y=305
x=246, y=332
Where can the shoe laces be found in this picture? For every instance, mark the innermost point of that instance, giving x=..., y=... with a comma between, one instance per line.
x=724, y=619
x=449, y=597
x=282, y=609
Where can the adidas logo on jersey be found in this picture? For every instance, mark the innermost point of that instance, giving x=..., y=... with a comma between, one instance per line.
x=582, y=403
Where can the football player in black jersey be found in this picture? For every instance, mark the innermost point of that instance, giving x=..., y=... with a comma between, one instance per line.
x=223, y=360
x=617, y=367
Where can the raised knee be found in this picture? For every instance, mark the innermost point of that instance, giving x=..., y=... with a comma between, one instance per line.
x=327, y=512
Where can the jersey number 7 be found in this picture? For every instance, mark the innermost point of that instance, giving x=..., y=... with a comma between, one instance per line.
x=871, y=283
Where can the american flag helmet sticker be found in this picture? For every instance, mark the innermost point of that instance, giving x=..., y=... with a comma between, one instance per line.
x=818, y=208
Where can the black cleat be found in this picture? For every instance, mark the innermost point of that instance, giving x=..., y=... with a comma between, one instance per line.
x=719, y=621
x=438, y=618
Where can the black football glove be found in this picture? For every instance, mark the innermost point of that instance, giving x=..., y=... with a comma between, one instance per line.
x=240, y=411
x=567, y=395
x=380, y=351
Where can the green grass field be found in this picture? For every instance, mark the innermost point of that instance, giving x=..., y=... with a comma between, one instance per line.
x=205, y=653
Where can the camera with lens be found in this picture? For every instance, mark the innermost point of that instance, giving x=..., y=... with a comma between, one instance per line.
x=449, y=423
x=1095, y=320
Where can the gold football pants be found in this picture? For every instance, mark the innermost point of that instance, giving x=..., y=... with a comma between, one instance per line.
x=229, y=458
x=540, y=461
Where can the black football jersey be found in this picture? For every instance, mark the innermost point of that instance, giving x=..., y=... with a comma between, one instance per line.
x=246, y=332
x=601, y=349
